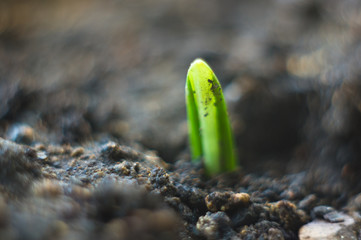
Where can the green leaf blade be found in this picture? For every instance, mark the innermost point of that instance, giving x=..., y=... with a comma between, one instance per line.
x=208, y=120
x=193, y=120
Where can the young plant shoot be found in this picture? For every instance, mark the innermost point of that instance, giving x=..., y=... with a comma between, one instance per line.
x=210, y=132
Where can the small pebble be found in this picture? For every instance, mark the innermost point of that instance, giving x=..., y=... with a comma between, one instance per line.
x=77, y=152
x=42, y=155
x=223, y=201
x=334, y=217
x=21, y=133
x=320, y=229
x=241, y=198
x=215, y=225
x=116, y=152
x=55, y=150
x=320, y=211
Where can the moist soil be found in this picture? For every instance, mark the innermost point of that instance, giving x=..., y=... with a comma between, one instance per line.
x=93, y=133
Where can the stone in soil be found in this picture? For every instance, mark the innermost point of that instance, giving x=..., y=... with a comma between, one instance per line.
x=321, y=229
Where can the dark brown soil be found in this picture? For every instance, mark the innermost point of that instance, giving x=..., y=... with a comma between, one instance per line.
x=93, y=134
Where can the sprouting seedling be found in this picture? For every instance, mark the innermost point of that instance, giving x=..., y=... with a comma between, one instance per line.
x=210, y=132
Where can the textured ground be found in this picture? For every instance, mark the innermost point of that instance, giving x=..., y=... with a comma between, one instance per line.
x=93, y=123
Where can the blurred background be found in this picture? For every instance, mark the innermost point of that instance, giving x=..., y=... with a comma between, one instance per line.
x=86, y=70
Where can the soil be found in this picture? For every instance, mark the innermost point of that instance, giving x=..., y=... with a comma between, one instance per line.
x=93, y=133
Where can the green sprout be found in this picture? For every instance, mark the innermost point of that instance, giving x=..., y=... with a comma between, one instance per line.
x=210, y=133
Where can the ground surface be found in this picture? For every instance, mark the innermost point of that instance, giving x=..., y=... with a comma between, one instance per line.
x=93, y=123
